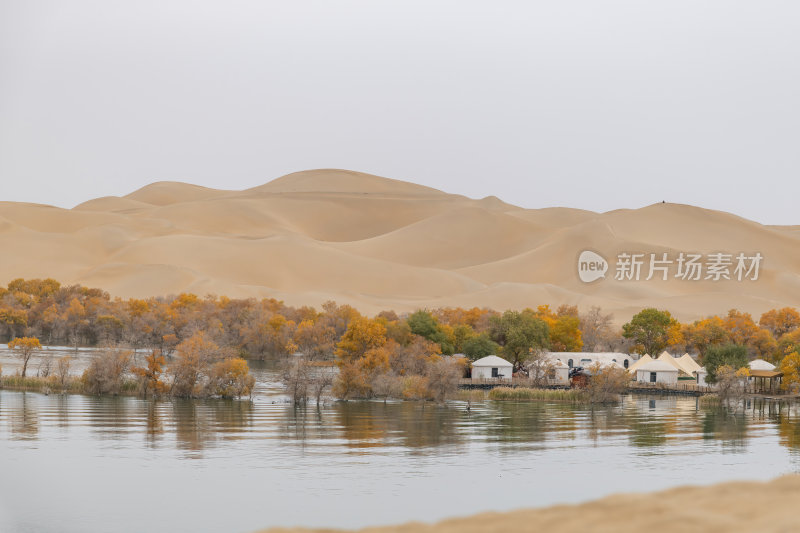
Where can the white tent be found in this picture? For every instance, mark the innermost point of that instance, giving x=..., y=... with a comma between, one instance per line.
x=657, y=372
x=643, y=360
x=491, y=366
x=665, y=357
x=760, y=364
x=688, y=362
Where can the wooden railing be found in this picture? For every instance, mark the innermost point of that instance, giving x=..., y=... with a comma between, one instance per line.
x=671, y=387
x=685, y=387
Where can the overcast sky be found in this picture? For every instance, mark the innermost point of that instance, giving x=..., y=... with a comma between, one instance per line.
x=590, y=104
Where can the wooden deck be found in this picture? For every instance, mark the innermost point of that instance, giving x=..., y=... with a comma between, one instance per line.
x=691, y=388
x=688, y=387
x=679, y=388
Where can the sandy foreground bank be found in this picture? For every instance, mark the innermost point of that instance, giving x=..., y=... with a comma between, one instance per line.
x=728, y=507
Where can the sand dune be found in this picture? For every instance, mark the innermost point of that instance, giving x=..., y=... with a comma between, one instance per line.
x=378, y=243
x=111, y=204
x=741, y=507
x=172, y=192
x=338, y=181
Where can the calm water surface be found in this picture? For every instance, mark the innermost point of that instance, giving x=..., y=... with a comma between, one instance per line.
x=84, y=464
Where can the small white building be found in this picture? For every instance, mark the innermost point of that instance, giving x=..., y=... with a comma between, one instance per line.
x=657, y=372
x=492, y=367
x=588, y=359
x=701, y=377
x=559, y=373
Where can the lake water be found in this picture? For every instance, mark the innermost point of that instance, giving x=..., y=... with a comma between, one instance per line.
x=84, y=464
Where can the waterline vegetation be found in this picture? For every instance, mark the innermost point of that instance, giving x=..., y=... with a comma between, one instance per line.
x=544, y=395
x=198, y=347
x=198, y=369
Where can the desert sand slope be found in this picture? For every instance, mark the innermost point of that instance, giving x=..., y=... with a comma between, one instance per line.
x=726, y=508
x=110, y=204
x=379, y=243
x=172, y=192
x=337, y=181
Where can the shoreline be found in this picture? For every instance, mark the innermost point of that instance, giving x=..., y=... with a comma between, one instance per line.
x=731, y=507
x=41, y=385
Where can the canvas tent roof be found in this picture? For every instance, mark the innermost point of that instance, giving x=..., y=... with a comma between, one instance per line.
x=687, y=361
x=657, y=366
x=642, y=361
x=491, y=360
x=665, y=357
x=760, y=364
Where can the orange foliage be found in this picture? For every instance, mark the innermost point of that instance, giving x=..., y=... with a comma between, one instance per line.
x=25, y=347
x=780, y=321
x=150, y=375
x=362, y=335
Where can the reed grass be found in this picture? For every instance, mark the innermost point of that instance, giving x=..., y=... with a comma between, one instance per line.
x=470, y=395
x=40, y=384
x=52, y=385
x=538, y=395
x=710, y=400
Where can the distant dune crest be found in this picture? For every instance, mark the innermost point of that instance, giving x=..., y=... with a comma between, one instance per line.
x=379, y=243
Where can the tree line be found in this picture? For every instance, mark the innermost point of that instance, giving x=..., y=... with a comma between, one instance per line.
x=385, y=355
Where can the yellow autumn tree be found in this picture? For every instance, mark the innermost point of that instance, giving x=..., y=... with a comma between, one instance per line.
x=362, y=334
x=193, y=359
x=314, y=339
x=351, y=382
x=75, y=318
x=149, y=376
x=790, y=366
x=375, y=360
x=564, y=327
x=789, y=342
x=740, y=327
x=230, y=378
x=14, y=319
x=24, y=347
x=780, y=321
x=706, y=332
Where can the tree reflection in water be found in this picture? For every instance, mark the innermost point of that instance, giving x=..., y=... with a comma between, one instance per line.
x=25, y=417
x=199, y=424
x=154, y=428
x=377, y=424
x=645, y=423
x=727, y=427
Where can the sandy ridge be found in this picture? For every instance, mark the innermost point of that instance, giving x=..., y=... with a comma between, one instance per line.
x=378, y=243
x=739, y=507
